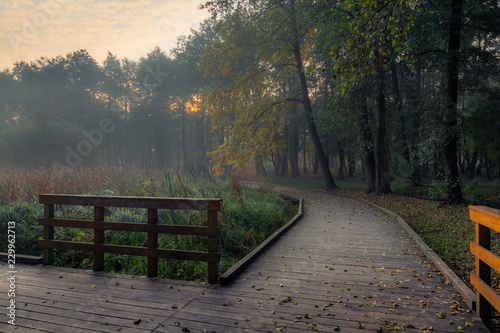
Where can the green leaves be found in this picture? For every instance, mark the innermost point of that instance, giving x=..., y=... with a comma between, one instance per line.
x=375, y=33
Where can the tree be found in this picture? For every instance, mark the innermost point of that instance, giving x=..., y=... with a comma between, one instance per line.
x=377, y=32
x=10, y=102
x=153, y=114
x=190, y=80
x=275, y=32
x=452, y=176
x=459, y=41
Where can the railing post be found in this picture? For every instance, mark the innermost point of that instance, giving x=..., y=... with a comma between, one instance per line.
x=98, y=239
x=213, y=267
x=48, y=234
x=152, y=243
x=483, y=307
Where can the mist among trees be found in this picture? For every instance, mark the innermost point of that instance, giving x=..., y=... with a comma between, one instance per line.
x=368, y=89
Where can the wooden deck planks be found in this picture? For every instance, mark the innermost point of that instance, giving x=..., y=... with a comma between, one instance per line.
x=343, y=268
x=66, y=300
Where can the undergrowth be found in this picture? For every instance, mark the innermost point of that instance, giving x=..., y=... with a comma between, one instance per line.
x=247, y=217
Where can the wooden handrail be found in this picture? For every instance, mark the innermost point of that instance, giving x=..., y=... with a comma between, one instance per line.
x=131, y=202
x=486, y=219
x=152, y=228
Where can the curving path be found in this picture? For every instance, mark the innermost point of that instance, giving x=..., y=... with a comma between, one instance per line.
x=343, y=267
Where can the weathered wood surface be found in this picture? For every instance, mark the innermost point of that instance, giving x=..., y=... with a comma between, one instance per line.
x=344, y=267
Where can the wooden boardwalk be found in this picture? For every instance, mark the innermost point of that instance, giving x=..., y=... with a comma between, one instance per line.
x=343, y=267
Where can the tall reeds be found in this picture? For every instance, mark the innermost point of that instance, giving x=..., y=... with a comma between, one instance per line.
x=18, y=185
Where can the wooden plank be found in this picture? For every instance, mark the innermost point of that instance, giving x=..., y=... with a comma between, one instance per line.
x=75, y=277
x=483, y=271
x=48, y=233
x=98, y=239
x=129, y=226
x=87, y=315
x=130, y=250
x=145, y=301
x=38, y=325
x=345, y=317
x=213, y=267
x=132, y=202
x=25, y=328
x=491, y=296
x=69, y=321
x=489, y=217
x=23, y=258
x=71, y=300
x=152, y=269
x=486, y=256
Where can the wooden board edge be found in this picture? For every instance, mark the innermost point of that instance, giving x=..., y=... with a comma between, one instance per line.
x=23, y=258
x=237, y=268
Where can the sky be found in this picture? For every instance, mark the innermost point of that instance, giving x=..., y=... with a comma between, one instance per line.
x=30, y=29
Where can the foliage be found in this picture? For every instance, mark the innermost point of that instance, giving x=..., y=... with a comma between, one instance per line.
x=375, y=32
x=271, y=83
x=259, y=61
x=25, y=214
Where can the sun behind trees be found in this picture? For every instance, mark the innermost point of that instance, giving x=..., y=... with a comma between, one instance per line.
x=370, y=89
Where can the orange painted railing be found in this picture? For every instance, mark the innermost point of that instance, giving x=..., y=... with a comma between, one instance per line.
x=486, y=219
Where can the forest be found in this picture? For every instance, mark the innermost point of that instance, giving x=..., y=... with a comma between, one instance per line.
x=370, y=89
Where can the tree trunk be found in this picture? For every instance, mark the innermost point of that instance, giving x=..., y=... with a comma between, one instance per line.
x=283, y=164
x=382, y=175
x=304, y=166
x=463, y=160
x=259, y=166
x=473, y=164
x=351, y=162
x=407, y=155
x=341, y=161
x=452, y=176
x=183, y=139
x=489, y=168
x=293, y=142
x=315, y=164
x=311, y=124
x=276, y=163
x=498, y=168
x=369, y=158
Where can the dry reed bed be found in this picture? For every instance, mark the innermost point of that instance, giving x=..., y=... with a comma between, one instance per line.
x=17, y=185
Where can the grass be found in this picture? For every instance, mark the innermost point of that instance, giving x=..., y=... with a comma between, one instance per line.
x=247, y=217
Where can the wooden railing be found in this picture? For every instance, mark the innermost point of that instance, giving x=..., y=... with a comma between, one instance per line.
x=486, y=219
x=152, y=228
